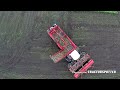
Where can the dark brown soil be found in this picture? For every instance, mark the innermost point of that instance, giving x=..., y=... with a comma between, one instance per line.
x=28, y=57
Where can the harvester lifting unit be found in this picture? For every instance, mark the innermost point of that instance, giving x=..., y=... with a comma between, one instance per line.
x=78, y=62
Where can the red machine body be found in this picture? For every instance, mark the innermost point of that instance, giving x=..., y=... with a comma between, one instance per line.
x=66, y=45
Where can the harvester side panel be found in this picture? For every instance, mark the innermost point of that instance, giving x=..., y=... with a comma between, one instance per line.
x=84, y=68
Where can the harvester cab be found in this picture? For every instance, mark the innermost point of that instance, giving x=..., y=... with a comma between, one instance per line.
x=78, y=62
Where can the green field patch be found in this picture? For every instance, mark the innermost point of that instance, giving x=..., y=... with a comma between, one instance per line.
x=93, y=18
x=110, y=12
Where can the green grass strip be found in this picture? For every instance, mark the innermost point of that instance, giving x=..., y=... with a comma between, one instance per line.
x=110, y=12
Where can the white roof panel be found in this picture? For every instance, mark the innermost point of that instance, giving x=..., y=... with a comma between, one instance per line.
x=75, y=55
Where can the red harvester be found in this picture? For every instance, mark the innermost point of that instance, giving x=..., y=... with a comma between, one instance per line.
x=78, y=62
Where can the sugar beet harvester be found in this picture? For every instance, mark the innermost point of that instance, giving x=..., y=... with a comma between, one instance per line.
x=78, y=62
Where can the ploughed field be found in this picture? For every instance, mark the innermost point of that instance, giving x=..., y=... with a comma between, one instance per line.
x=25, y=45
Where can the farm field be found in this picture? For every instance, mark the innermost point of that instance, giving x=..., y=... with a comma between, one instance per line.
x=25, y=45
